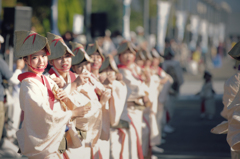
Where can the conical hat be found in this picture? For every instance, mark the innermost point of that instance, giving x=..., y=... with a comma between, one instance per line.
x=155, y=54
x=79, y=53
x=92, y=48
x=125, y=45
x=147, y=54
x=140, y=55
x=29, y=42
x=57, y=46
x=235, y=51
x=109, y=61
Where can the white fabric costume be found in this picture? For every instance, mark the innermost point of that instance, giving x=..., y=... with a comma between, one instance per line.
x=42, y=129
x=138, y=89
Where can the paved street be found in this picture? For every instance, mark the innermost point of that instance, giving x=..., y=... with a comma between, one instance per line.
x=192, y=138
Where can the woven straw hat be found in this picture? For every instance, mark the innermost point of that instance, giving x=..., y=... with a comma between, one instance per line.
x=92, y=48
x=79, y=53
x=29, y=42
x=57, y=46
x=140, y=55
x=109, y=61
x=126, y=45
x=235, y=53
x=147, y=54
x=155, y=54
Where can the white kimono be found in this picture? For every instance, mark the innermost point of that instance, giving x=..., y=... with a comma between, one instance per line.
x=137, y=89
x=118, y=136
x=42, y=129
x=231, y=88
x=67, y=87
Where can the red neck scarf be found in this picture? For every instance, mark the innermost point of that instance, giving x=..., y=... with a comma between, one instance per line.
x=44, y=81
x=72, y=75
x=136, y=75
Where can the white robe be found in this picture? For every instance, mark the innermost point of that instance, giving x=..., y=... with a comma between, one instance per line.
x=42, y=129
x=118, y=137
x=137, y=89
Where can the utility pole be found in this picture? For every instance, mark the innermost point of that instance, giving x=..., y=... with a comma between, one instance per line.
x=88, y=11
x=146, y=18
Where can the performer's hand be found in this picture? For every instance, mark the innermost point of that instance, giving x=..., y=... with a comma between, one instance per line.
x=119, y=76
x=59, y=82
x=81, y=79
x=105, y=97
x=111, y=77
x=81, y=111
x=61, y=94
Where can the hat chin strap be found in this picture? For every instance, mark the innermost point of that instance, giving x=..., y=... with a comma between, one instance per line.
x=39, y=70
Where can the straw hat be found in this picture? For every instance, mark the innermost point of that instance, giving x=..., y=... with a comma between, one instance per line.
x=57, y=46
x=155, y=54
x=92, y=48
x=126, y=45
x=109, y=61
x=147, y=54
x=235, y=53
x=79, y=53
x=140, y=55
x=29, y=42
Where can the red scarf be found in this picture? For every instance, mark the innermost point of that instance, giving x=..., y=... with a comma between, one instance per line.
x=44, y=81
x=120, y=66
x=72, y=75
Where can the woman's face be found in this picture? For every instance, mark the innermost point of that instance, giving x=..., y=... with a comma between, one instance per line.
x=139, y=62
x=37, y=62
x=148, y=63
x=127, y=58
x=84, y=65
x=62, y=64
x=109, y=74
x=155, y=62
x=97, y=61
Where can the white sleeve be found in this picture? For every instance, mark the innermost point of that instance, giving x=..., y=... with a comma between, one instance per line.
x=14, y=79
x=42, y=128
x=137, y=87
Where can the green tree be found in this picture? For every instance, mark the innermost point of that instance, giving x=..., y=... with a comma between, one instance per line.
x=66, y=11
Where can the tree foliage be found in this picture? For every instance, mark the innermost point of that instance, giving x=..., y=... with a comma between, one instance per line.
x=66, y=11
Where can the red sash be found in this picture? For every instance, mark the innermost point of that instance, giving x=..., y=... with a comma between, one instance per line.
x=44, y=81
x=72, y=75
x=120, y=66
x=122, y=135
x=139, y=146
x=149, y=137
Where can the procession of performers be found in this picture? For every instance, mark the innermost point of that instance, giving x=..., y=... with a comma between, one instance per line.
x=88, y=107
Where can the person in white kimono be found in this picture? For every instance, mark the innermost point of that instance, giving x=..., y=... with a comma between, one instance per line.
x=207, y=96
x=231, y=90
x=138, y=98
x=95, y=52
x=44, y=117
x=165, y=85
x=61, y=61
x=82, y=63
x=119, y=121
x=150, y=114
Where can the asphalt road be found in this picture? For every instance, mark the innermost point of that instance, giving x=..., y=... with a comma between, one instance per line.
x=192, y=138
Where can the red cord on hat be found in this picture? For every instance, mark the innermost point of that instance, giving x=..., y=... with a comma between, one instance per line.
x=33, y=34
